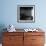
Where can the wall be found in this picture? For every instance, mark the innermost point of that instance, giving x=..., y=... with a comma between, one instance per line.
x=8, y=13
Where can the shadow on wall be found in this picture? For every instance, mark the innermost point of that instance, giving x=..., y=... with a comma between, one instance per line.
x=2, y=26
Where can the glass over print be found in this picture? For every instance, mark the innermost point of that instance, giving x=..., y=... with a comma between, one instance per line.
x=26, y=13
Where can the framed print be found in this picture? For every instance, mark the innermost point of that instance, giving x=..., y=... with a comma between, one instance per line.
x=26, y=13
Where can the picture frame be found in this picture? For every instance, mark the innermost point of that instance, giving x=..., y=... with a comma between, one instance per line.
x=26, y=13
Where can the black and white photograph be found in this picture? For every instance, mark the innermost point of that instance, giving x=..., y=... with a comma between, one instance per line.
x=26, y=13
